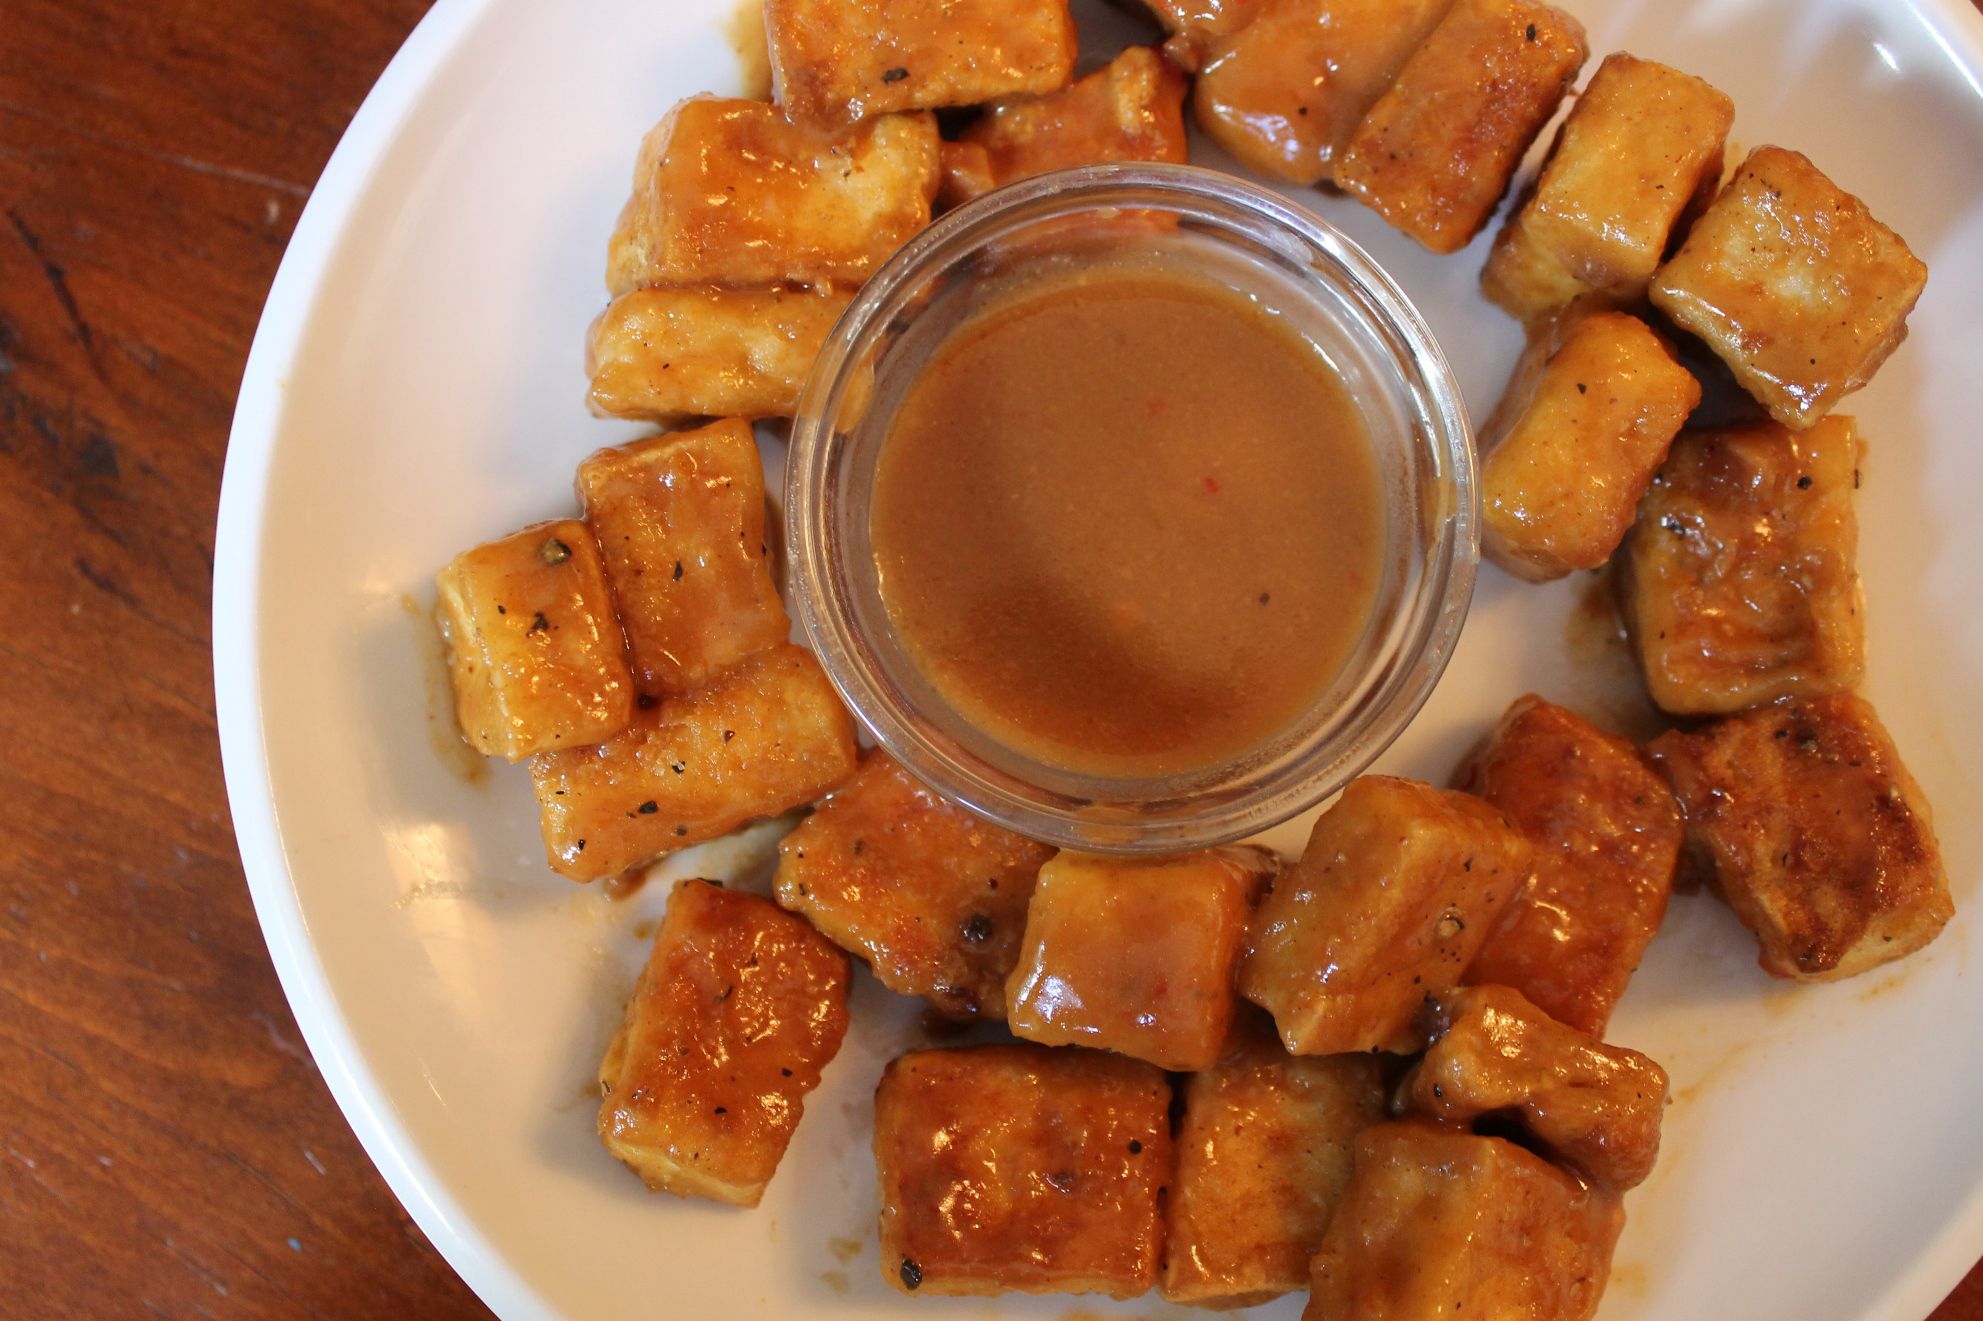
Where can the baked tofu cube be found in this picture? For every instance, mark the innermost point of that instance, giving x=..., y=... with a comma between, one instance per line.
x=739, y=1008
x=533, y=643
x=1738, y=583
x=1640, y=152
x=768, y=736
x=1607, y=835
x=1131, y=109
x=680, y=523
x=1136, y=955
x=1586, y=421
x=1263, y=1153
x=1793, y=284
x=1399, y=885
x=732, y=193
x=1592, y=1107
x=834, y=61
x=930, y=895
x=1815, y=833
x=1437, y=1223
x=1436, y=152
x=1283, y=93
x=663, y=355
x=1020, y=1169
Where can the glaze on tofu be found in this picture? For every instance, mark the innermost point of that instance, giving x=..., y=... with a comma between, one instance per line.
x=1136, y=955
x=768, y=736
x=933, y=897
x=732, y=193
x=1018, y=1169
x=1793, y=284
x=739, y=1008
x=1608, y=836
x=1194, y=25
x=1737, y=582
x=1640, y=153
x=1394, y=895
x=1437, y=150
x=534, y=647
x=1814, y=832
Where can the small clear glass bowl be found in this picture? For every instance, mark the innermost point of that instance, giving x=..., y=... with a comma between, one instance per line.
x=1295, y=266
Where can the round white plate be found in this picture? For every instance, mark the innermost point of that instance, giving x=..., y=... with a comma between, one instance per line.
x=415, y=388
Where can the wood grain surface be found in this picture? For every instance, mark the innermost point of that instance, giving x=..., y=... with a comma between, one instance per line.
x=166, y=1144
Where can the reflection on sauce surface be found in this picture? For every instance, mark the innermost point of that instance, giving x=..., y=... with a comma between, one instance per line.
x=1127, y=523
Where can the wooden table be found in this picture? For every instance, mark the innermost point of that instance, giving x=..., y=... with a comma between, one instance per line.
x=166, y=1144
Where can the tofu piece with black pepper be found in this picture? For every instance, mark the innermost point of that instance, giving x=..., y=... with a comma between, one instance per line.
x=534, y=648
x=931, y=895
x=1814, y=832
x=1018, y=1169
x=1793, y=284
x=1738, y=582
x=1437, y=150
x=738, y=1010
x=1393, y=897
x=768, y=736
x=732, y=193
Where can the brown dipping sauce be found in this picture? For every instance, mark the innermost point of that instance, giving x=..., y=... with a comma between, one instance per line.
x=1127, y=523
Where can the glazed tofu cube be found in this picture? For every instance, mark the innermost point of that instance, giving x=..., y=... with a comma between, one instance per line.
x=680, y=523
x=1793, y=284
x=1020, y=1169
x=1131, y=109
x=1136, y=955
x=1195, y=25
x=1586, y=422
x=1399, y=886
x=1283, y=93
x=930, y=895
x=1436, y=152
x=739, y=1008
x=1263, y=1154
x=533, y=643
x=768, y=736
x=1815, y=834
x=1607, y=835
x=1737, y=581
x=1640, y=152
x=732, y=193
x=663, y=355
x=834, y=61
x=1437, y=1223
x=1592, y=1107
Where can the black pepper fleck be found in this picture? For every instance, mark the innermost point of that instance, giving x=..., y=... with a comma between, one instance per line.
x=912, y=1274
x=1136, y=1146
x=539, y=624
x=678, y=570
x=895, y=75
x=1531, y=32
x=648, y=808
x=977, y=928
x=1804, y=482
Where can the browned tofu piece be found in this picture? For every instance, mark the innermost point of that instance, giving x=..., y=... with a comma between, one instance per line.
x=1586, y=421
x=732, y=193
x=1608, y=837
x=1436, y=152
x=1592, y=1107
x=1136, y=955
x=680, y=522
x=1793, y=284
x=1195, y=25
x=1640, y=152
x=768, y=736
x=930, y=895
x=1017, y=1169
x=1283, y=93
x=739, y=1008
x=1131, y=109
x=834, y=61
x=1815, y=833
x=533, y=643
x=1399, y=885
x=1263, y=1154
x=1437, y=1223
x=1737, y=582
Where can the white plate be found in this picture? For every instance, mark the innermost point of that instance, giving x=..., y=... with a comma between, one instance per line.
x=415, y=387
